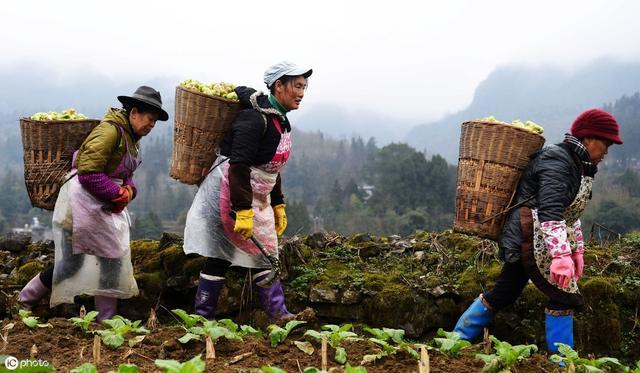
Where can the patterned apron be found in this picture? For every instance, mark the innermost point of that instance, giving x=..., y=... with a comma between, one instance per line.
x=571, y=215
x=92, y=253
x=209, y=229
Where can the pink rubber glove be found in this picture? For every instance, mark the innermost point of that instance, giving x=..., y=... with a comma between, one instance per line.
x=555, y=239
x=577, y=255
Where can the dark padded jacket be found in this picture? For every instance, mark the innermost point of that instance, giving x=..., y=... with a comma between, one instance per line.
x=252, y=141
x=552, y=178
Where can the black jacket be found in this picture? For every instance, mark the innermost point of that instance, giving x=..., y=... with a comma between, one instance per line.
x=552, y=178
x=252, y=141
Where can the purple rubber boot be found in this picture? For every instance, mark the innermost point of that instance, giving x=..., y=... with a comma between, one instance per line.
x=31, y=294
x=209, y=288
x=272, y=300
x=107, y=307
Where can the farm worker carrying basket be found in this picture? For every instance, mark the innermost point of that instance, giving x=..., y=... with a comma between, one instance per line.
x=90, y=219
x=241, y=197
x=542, y=240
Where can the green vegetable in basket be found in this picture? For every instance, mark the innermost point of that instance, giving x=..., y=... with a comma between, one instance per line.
x=224, y=90
x=69, y=114
x=528, y=125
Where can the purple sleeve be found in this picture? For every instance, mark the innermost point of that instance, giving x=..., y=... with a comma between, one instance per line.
x=99, y=185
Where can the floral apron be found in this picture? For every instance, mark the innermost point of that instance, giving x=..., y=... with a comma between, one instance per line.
x=571, y=215
x=209, y=229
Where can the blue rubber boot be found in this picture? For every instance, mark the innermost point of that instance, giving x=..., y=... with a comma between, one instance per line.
x=473, y=320
x=558, y=329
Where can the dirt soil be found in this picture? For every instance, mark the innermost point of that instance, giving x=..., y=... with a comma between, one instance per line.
x=67, y=347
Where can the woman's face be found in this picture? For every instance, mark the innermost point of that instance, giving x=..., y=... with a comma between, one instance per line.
x=142, y=123
x=597, y=148
x=290, y=95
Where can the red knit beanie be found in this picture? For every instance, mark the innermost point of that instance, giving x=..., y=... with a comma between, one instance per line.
x=596, y=123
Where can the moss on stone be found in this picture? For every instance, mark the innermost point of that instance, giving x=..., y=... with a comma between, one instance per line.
x=173, y=260
x=28, y=271
x=145, y=255
x=151, y=283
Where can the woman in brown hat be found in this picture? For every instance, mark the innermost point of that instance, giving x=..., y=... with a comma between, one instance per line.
x=542, y=240
x=246, y=183
x=90, y=220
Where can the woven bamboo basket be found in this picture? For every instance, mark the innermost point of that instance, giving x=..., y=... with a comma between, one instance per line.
x=491, y=160
x=48, y=148
x=201, y=122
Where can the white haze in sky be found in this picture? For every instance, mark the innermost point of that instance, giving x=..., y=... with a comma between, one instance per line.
x=415, y=60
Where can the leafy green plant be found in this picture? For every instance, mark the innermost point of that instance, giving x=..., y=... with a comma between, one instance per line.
x=395, y=335
x=388, y=350
x=118, y=328
x=506, y=356
x=335, y=335
x=31, y=321
x=85, y=368
x=450, y=342
x=127, y=368
x=270, y=369
x=574, y=362
x=636, y=369
x=189, y=320
x=277, y=334
x=195, y=365
x=84, y=322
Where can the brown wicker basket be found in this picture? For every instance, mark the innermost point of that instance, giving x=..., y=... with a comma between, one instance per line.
x=491, y=160
x=48, y=148
x=201, y=122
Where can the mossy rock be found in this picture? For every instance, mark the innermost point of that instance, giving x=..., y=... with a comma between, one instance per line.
x=41, y=247
x=151, y=284
x=145, y=255
x=194, y=265
x=28, y=271
x=173, y=260
x=599, y=290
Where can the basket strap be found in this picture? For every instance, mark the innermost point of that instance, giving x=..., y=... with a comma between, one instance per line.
x=507, y=209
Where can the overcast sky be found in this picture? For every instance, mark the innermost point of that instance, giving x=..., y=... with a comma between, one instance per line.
x=415, y=60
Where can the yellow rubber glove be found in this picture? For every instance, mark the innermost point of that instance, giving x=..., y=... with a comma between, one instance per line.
x=280, y=217
x=244, y=223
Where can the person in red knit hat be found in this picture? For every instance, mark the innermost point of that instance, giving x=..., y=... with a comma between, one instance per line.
x=542, y=240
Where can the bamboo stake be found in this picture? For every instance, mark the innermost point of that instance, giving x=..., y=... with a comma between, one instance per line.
x=487, y=341
x=423, y=364
x=211, y=351
x=237, y=358
x=323, y=366
x=96, y=350
x=34, y=351
x=152, y=321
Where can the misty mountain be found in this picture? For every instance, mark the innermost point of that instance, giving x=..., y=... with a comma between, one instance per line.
x=338, y=122
x=550, y=97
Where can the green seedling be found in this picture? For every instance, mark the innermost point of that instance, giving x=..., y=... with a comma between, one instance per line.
x=31, y=321
x=277, y=334
x=84, y=322
x=270, y=369
x=574, y=362
x=636, y=369
x=85, y=368
x=189, y=320
x=335, y=335
x=118, y=328
x=450, y=342
x=388, y=350
x=195, y=365
x=127, y=368
x=506, y=356
x=347, y=369
x=397, y=336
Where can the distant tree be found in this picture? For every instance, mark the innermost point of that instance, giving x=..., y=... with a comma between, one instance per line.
x=298, y=219
x=147, y=226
